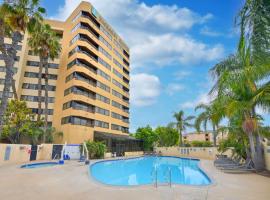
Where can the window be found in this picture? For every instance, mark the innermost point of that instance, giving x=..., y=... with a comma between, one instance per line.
x=102, y=98
x=78, y=106
x=104, y=63
x=35, y=75
x=76, y=27
x=117, y=44
x=115, y=82
x=102, y=111
x=77, y=121
x=116, y=127
x=116, y=116
x=36, y=64
x=103, y=86
x=117, y=73
x=3, y=69
x=35, y=98
x=103, y=74
x=101, y=124
x=77, y=17
x=117, y=54
x=103, y=29
x=105, y=42
x=10, y=94
x=118, y=64
x=117, y=94
x=35, y=87
x=35, y=110
x=79, y=91
x=104, y=52
x=116, y=104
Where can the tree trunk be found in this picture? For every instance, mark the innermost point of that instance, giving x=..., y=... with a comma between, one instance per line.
x=180, y=138
x=14, y=89
x=46, y=99
x=214, y=136
x=41, y=64
x=259, y=151
x=252, y=149
x=9, y=60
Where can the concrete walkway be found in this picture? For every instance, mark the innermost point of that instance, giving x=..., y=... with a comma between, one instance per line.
x=71, y=181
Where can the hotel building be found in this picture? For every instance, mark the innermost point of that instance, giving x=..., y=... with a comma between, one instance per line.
x=88, y=83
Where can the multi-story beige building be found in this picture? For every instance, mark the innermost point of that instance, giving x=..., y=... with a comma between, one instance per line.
x=88, y=83
x=203, y=137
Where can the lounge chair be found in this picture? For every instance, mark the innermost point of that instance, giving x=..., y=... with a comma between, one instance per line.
x=229, y=163
x=247, y=164
x=246, y=168
x=239, y=171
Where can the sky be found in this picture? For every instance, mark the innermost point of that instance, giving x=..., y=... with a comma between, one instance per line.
x=173, y=44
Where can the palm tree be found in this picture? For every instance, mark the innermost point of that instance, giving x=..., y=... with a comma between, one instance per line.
x=17, y=17
x=211, y=113
x=182, y=123
x=44, y=43
x=240, y=87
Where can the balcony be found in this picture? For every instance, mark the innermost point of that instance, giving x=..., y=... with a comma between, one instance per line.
x=91, y=18
x=90, y=29
x=83, y=63
x=85, y=51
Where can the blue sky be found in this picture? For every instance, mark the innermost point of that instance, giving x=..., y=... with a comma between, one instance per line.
x=173, y=45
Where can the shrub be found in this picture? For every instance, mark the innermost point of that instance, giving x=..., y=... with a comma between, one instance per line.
x=96, y=149
x=201, y=144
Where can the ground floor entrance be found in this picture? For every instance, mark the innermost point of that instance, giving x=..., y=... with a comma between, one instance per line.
x=119, y=144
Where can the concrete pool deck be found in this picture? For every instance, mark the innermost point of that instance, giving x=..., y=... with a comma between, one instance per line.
x=71, y=181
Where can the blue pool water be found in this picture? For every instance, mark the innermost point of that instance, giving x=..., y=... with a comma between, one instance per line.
x=39, y=165
x=141, y=171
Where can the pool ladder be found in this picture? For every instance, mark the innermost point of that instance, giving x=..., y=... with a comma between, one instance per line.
x=167, y=176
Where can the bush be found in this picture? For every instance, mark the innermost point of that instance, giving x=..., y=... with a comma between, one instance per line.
x=96, y=149
x=201, y=144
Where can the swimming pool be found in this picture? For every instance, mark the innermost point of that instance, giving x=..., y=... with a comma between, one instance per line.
x=144, y=170
x=39, y=165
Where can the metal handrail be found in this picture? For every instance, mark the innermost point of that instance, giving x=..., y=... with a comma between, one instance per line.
x=87, y=152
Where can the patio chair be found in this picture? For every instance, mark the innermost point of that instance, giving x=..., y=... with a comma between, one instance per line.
x=246, y=164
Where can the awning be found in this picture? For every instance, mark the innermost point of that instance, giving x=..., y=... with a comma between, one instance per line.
x=114, y=136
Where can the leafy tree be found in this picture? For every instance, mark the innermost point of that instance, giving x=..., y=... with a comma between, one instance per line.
x=16, y=17
x=148, y=135
x=96, y=149
x=182, y=123
x=45, y=43
x=17, y=120
x=167, y=136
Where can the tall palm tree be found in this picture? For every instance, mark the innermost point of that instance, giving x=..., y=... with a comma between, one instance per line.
x=211, y=113
x=239, y=83
x=182, y=123
x=44, y=43
x=18, y=16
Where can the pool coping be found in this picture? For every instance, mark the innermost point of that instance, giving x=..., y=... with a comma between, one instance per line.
x=36, y=163
x=92, y=178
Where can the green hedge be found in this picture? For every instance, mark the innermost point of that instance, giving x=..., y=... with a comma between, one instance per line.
x=200, y=144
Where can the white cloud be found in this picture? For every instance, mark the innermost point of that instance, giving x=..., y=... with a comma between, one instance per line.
x=179, y=75
x=203, y=98
x=155, y=34
x=140, y=14
x=208, y=32
x=169, y=48
x=172, y=88
x=144, y=88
